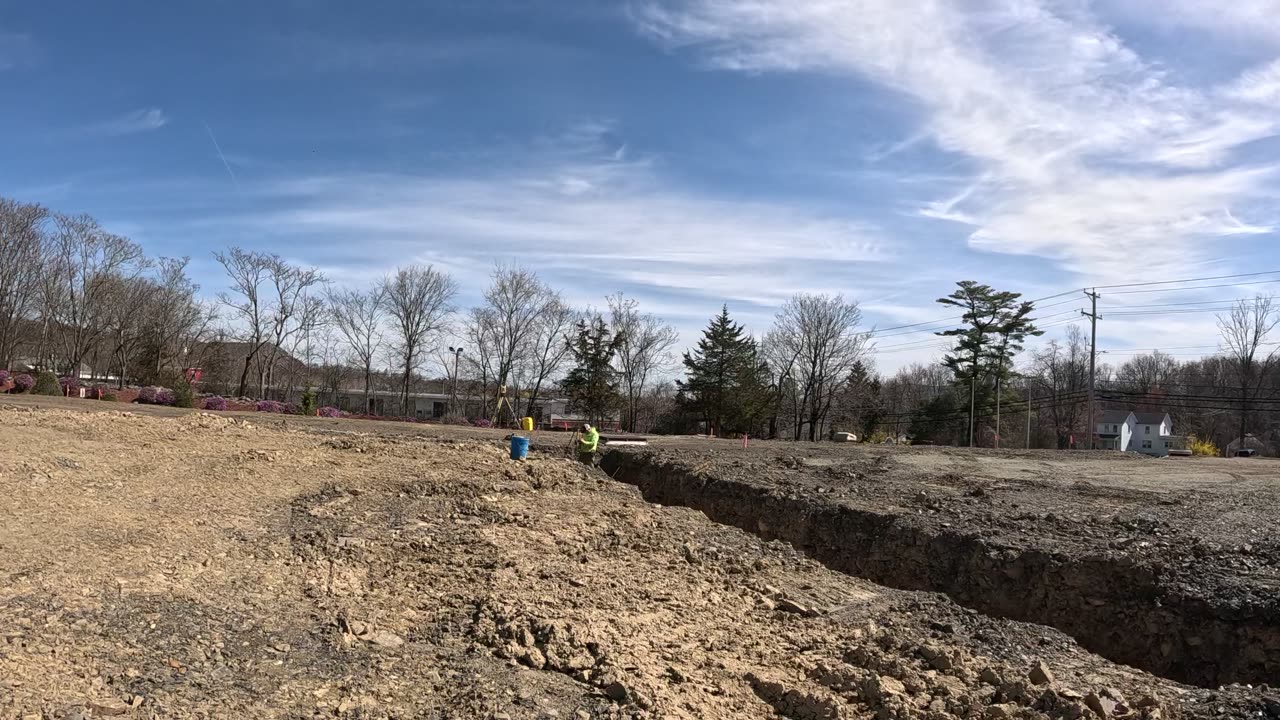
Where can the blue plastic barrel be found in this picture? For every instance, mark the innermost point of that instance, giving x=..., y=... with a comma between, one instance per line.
x=519, y=447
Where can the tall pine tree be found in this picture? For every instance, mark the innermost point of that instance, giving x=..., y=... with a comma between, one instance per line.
x=724, y=378
x=996, y=322
x=592, y=384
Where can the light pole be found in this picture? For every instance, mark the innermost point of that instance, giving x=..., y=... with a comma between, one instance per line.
x=453, y=394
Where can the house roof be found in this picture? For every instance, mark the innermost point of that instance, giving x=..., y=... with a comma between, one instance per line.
x=1149, y=418
x=1114, y=417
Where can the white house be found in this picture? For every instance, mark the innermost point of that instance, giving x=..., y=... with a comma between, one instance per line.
x=1149, y=433
x=1152, y=434
x=1115, y=429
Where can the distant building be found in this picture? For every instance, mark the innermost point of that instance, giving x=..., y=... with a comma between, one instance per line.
x=1115, y=429
x=1149, y=433
x=1251, y=445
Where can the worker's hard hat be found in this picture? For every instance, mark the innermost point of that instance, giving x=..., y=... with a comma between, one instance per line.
x=586, y=426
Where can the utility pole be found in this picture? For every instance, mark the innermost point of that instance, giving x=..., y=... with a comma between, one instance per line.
x=453, y=393
x=972, y=382
x=1093, y=356
x=998, y=408
x=1027, y=390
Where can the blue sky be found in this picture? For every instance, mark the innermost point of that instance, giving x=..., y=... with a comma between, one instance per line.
x=687, y=153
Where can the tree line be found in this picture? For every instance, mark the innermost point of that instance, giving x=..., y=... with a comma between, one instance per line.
x=78, y=299
x=74, y=295
x=1043, y=400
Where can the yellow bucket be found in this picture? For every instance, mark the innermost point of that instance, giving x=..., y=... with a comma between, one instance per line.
x=526, y=424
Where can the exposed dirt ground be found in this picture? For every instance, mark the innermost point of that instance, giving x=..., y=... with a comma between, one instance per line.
x=202, y=566
x=1171, y=564
x=1213, y=518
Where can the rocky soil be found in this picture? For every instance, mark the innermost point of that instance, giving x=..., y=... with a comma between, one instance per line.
x=1163, y=564
x=207, y=567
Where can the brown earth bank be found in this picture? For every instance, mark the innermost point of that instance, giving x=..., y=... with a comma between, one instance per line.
x=207, y=566
x=1170, y=565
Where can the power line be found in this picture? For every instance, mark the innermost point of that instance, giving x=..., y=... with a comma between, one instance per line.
x=1197, y=287
x=929, y=326
x=1123, y=351
x=1170, y=310
x=1193, y=302
x=876, y=334
x=878, y=331
x=1174, y=282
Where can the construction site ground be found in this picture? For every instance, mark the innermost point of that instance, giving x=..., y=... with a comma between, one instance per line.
x=157, y=563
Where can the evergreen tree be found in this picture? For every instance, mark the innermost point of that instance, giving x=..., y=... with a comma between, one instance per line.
x=46, y=384
x=725, y=383
x=592, y=384
x=863, y=393
x=309, y=404
x=939, y=421
x=996, y=323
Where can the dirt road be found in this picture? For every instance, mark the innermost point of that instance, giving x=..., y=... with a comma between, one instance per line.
x=203, y=567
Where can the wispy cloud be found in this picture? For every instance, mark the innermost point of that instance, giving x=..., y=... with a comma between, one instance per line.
x=1086, y=152
x=137, y=121
x=1259, y=85
x=1256, y=21
x=587, y=222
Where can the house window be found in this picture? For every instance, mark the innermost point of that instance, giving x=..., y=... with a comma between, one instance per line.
x=1168, y=444
x=1146, y=444
x=1115, y=428
x=1148, y=430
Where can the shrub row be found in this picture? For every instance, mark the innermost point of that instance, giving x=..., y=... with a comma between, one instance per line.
x=275, y=406
x=50, y=384
x=154, y=395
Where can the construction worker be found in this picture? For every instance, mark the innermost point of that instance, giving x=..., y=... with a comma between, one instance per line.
x=587, y=442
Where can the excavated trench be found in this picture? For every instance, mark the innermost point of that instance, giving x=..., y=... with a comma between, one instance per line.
x=1115, y=608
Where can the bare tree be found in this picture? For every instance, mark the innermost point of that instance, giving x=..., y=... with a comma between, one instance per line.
x=1062, y=374
x=310, y=315
x=482, y=352
x=515, y=300
x=645, y=342
x=1145, y=374
x=780, y=360
x=176, y=320
x=419, y=302
x=330, y=348
x=84, y=262
x=911, y=389
x=358, y=316
x=270, y=317
x=821, y=332
x=547, y=352
x=127, y=300
x=246, y=271
x=1244, y=333
x=294, y=313
x=22, y=244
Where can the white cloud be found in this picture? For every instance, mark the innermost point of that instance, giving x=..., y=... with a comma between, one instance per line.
x=605, y=221
x=1260, y=85
x=142, y=120
x=1084, y=149
x=1234, y=21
